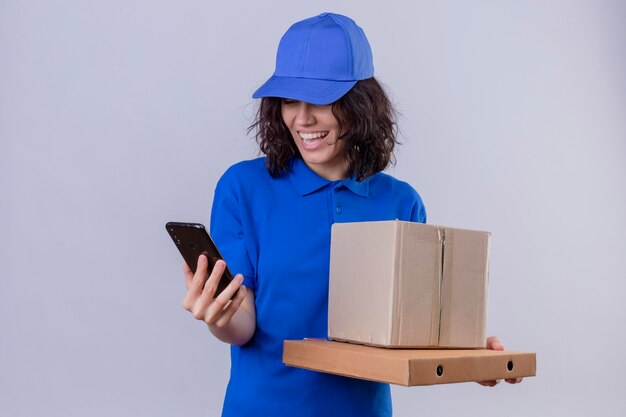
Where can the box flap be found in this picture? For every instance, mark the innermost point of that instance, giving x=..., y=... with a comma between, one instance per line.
x=362, y=266
x=416, y=306
x=464, y=288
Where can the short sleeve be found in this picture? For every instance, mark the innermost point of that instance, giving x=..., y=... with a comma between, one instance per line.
x=418, y=211
x=227, y=229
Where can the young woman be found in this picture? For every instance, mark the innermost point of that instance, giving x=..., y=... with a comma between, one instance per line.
x=327, y=130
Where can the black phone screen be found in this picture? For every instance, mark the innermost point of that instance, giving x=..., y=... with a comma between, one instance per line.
x=192, y=240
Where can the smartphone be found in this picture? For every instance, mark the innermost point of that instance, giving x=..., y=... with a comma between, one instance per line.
x=192, y=240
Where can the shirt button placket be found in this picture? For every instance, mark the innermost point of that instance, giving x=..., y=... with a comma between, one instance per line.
x=336, y=203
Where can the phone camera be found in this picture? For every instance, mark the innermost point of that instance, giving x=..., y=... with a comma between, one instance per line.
x=177, y=241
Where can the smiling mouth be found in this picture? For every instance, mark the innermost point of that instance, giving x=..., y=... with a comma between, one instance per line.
x=313, y=137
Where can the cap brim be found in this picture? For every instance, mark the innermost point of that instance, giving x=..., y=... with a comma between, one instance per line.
x=319, y=92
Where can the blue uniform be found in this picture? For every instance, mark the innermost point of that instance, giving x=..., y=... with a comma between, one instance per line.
x=276, y=232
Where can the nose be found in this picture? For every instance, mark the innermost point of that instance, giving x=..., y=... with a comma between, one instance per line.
x=305, y=116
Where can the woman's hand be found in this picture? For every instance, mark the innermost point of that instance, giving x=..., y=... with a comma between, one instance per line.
x=494, y=343
x=220, y=312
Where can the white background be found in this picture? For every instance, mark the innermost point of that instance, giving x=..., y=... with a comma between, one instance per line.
x=118, y=116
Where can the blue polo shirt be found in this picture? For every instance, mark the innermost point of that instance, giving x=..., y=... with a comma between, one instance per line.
x=276, y=232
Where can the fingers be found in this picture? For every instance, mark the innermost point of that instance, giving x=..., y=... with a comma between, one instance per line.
x=199, y=278
x=214, y=279
x=514, y=380
x=188, y=274
x=200, y=299
x=494, y=343
x=218, y=307
x=490, y=383
x=232, y=308
x=202, y=288
x=186, y=268
x=196, y=284
x=497, y=381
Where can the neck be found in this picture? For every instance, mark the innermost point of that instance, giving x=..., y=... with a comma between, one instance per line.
x=331, y=173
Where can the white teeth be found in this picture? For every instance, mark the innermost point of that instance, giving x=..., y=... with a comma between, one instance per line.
x=310, y=136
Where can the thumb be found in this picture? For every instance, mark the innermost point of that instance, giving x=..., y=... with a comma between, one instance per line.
x=494, y=343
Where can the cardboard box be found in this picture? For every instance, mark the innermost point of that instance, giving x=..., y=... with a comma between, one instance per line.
x=408, y=367
x=404, y=284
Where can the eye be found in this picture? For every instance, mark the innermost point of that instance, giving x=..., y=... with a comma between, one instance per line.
x=289, y=101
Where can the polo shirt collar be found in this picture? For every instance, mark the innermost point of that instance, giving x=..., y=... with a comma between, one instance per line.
x=361, y=188
x=307, y=181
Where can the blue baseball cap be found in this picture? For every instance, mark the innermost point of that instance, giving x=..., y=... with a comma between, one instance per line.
x=319, y=59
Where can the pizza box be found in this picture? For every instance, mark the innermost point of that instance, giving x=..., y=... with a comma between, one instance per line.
x=407, y=367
